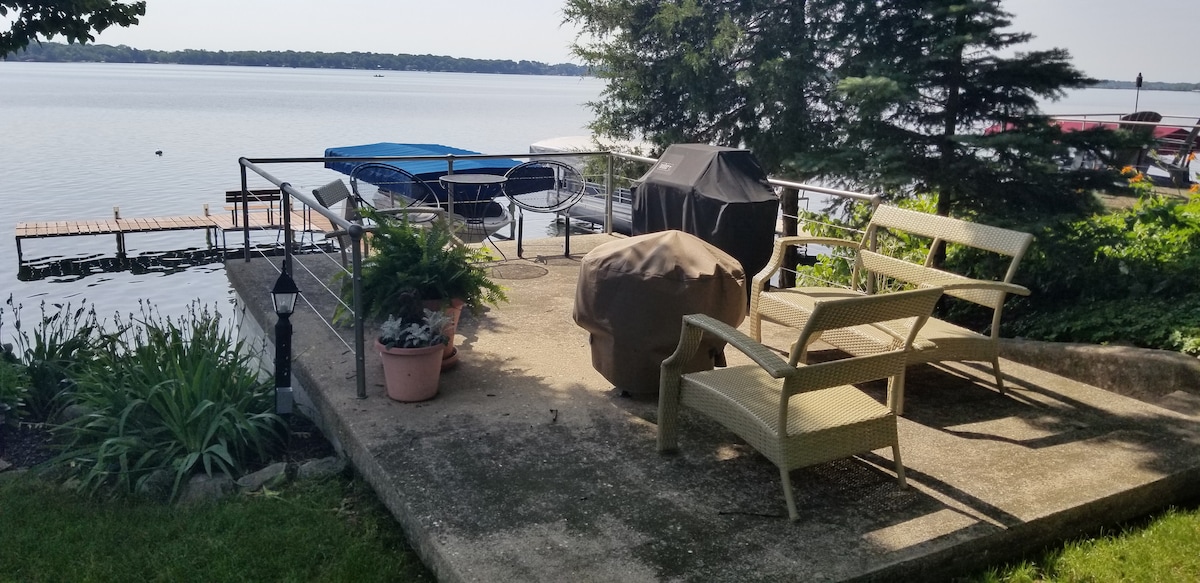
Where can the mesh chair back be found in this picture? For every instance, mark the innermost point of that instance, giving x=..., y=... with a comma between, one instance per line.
x=544, y=186
x=331, y=193
x=396, y=187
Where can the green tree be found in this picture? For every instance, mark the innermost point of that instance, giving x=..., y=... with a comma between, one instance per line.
x=896, y=95
x=929, y=103
x=748, y=73
x=34, y=20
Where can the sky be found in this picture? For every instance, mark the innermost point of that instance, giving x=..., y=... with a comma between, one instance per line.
x=1107, y=39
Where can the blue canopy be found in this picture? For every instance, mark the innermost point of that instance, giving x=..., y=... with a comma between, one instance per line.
x=427, y=170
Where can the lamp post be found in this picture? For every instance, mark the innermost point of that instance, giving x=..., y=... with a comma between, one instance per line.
x=283, y=296
x=1138, y=94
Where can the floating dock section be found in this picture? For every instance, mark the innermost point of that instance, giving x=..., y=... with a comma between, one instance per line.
x=261, y=215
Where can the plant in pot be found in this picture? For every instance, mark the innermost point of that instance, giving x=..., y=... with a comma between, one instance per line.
x=425, y=259
x=410, y=347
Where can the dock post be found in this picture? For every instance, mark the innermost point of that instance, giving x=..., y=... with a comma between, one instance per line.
x=209, y=233
x=120, y=234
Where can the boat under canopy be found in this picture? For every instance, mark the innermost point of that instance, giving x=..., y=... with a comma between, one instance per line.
x=428, y=171
x=474, y=206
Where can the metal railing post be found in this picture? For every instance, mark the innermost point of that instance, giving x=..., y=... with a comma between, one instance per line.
x=285, y=206
x=245, y=214
x=449, y=189
x=360, y=359
x=608, y=196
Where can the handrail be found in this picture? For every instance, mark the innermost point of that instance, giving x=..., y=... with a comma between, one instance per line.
x=1085, y=119
x=874, y=199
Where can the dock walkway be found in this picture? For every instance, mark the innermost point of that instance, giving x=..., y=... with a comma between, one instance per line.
x=217, y=224
x=528, y=466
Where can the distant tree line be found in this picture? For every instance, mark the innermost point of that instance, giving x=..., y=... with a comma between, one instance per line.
x=1151, y=86
x=77, y=53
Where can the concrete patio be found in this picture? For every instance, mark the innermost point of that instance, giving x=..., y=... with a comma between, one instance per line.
x=529, y=466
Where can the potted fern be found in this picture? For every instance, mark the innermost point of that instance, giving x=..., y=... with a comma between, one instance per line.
x=426, y=260
x=410, y=347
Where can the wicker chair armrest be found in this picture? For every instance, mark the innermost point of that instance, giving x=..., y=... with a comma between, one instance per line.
x=1011, y=288
x=781, y=245
x=697, y=324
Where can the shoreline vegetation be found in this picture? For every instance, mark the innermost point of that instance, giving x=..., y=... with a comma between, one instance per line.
x=1148, y=86
x=50, y=52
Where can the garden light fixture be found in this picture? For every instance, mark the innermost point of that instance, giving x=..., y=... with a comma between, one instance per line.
x=283, y=296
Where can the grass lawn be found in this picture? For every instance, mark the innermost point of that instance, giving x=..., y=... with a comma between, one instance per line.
x=1167, y=549
x=338, y=531
x=334, y=530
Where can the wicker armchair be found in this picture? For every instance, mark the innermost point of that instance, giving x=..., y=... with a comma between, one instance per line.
x=794, y=414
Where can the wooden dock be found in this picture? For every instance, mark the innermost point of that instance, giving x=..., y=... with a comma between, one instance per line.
x=265, y=217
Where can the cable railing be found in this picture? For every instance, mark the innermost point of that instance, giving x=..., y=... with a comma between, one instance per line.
x=613, y=190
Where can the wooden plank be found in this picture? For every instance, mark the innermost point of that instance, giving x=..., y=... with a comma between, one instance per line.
x=261, y=217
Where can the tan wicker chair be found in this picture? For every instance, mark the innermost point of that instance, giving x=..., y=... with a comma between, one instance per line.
x=939, y=340
x=794, y=414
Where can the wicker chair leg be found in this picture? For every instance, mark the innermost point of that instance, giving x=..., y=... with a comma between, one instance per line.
x=895, y=394
x=786, y=478
x=668, y=421
x=756, y=326
x=899, y=465
x=996, y=371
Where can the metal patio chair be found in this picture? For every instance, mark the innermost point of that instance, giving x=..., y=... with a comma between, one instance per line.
x=544, y=186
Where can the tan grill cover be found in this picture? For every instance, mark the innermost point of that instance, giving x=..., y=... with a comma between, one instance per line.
x=633, y=294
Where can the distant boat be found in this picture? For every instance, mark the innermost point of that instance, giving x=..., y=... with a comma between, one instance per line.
x=377, y=75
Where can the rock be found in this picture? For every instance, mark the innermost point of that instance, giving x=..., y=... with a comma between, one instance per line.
x=4, y=465
x=202, y=489
x=74, y=412
x=271, y=476
x=321, y=469
x=157, y=486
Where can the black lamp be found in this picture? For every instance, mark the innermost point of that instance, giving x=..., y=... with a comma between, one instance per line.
x=283, y=296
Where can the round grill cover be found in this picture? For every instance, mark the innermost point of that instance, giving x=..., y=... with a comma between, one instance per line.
x=633, y=294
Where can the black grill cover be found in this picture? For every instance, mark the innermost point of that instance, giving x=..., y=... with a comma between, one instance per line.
x=720, y=195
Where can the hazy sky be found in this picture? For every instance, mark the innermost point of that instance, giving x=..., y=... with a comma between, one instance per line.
x=1107, y=39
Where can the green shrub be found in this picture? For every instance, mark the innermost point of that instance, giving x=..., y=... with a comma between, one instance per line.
x=834, y=267
x=1127, y=277
x=58, y=346
x=406, y=257
x=14, y=385
x=181, y=396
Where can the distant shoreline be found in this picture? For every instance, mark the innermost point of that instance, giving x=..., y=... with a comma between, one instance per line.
x=49, y=52
x=1154, y=86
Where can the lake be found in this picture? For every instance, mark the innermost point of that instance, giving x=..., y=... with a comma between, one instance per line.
x=81, y=138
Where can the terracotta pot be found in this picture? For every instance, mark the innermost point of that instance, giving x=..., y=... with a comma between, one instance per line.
x=454, y=310
x=411, y=374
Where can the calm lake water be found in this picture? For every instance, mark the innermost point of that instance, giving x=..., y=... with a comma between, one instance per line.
x=79, y=139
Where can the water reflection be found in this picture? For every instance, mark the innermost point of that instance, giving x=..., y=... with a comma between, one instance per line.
x=59, y=269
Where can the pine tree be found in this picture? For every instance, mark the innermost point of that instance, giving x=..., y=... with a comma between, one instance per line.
x=930, y=103
x=903, y=96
